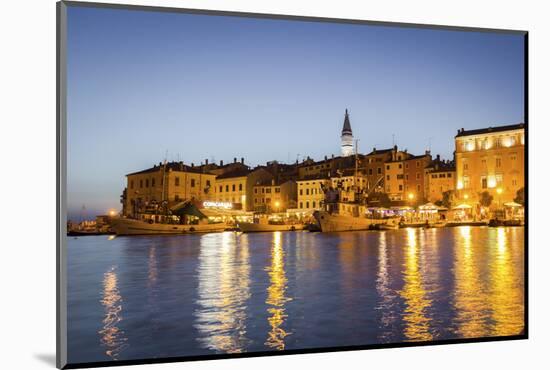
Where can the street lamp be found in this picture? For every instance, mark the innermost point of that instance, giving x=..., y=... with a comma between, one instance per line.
x=277, y=204
x=465, y=196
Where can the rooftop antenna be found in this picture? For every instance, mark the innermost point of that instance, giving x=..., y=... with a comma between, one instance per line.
x=392, y=139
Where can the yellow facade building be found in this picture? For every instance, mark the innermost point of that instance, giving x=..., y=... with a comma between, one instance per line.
x=440, y=177
x=310, y=193
x=490, y=159
x=171, y=182
x=272, y=197
x=237, y=187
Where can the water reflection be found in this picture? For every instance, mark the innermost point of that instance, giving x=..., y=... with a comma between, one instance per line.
x=223, y=290
x=506, y=293
x=386, y=294
x=417, y=323
x=276, y=298
x=112, y=337
x=470, y=303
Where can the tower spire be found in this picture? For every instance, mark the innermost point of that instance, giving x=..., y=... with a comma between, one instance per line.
x=347, y=137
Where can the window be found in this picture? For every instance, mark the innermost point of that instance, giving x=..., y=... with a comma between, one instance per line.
x=152, y=182
x=434, y=176
x=388, y=177
x=483, y=162
x=301, y=193
x=449, y=175
x=313, y=204
x=484, y=182
x=263, y=190
x=379, y=170
x=370, y=171
x=177, y=181
x=268, y=200
x=307, y=193
x=466, y=182
x=140, y=183
x=255, y=190
x=418, y=188
x=233, y=187
x=406, y=165
x=240, y=187
x=465, y=166
x=417, y=175
x=131, y=184
x=301, y=205
x=277, y=190
x=307, y=204
x=207, y=182
x=417, y=164
x=221, y=189
x=268, y=190
x=513, y=158
x=514, y=182
x=498, y=179
x=400, y=187
x=498, y=162
x=387, y=167
x=226, y=188
x=192, y=183
x=146, y=183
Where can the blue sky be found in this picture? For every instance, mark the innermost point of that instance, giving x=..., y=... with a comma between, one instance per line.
x=143, y=86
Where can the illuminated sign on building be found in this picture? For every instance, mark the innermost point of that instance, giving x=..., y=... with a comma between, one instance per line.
x=209, y=204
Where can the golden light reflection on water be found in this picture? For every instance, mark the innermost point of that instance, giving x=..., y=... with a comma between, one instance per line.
x=489, y=283
x=276, y=298
x=224, y=289
x=112, y=337
x=469, y=301
x=506, y=293
x=383, y=280
x=417, y=324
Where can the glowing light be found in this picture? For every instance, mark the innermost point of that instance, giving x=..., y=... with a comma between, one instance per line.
x=112, y=212
x=499, y=191
x=491, y=182
x=466, y=196
x=411, y=196
x=277, y=204
x=459, y=185
x=210, y=204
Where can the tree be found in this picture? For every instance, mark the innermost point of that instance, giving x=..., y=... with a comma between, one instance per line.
x=520, y=196
x=447, y=199
x=485, y=199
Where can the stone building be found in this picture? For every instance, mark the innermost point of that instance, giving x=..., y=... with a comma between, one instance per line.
x=237, y=187
x=440, y=177
x=271, y=196
x=490, y=159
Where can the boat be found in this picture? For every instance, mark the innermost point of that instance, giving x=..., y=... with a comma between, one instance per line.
x=262, y=223
x=334, y=222
x=129, y=226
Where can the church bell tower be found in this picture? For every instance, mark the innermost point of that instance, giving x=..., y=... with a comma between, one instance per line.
x=347, y=137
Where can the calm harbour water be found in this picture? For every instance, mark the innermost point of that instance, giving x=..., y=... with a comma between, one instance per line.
x=165, y=296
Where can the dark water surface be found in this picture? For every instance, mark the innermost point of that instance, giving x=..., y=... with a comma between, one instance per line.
x=165, y=296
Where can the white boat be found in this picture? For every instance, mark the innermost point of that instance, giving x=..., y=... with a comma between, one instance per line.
x=333, y=222
x=250, y=227
x=128, y=226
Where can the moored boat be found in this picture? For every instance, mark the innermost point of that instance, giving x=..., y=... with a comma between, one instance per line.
x=250, y=227
x=333, y=222
x=128, y=226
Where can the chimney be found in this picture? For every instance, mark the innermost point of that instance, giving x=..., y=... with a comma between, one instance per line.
x=221, y=163
x=206, y=161
x=160, y=164
x=242, y=160
x=234, y=159
x=192, y=164
x=333, y=156
x=438, y=157
x=374, y=149
x=273, y=182
x=326, y=158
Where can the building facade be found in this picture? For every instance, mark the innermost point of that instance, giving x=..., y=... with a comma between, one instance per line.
x=492, y=160
x=237, y=187
x=171, y=182
x=310, y=193
x=414, y=171
x=275, y=197
x=440, y=177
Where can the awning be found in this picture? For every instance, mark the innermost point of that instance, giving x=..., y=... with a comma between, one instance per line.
x=186, y=208
x=512, y=204
x=220, y=212
x=463, y=206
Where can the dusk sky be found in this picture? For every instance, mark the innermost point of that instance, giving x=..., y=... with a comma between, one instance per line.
x=143, y=86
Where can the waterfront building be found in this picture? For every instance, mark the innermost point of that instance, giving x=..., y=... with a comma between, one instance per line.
x=271, y=196
x=310, y=192
x=395, y=180
x=490, y=159
x=172, y=182
x=413, y=170
x=236, y=187
x=347, y=137
x=221, y=168
x=440, y=177
x=375, y=167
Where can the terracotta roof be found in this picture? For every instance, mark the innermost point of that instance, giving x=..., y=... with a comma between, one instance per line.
x=174, y=166
x=488, y=130
x=240, y=172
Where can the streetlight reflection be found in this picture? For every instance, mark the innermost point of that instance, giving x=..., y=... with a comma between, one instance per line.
x=276, y=298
